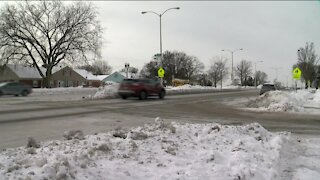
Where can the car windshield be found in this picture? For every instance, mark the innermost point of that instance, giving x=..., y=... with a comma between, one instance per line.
x=203, y=90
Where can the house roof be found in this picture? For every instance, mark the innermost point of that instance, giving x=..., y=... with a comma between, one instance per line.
x=86, y=74
x=102, y=77
x=23, y=71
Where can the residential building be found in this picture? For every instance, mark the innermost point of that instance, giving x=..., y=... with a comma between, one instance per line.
x=21, y=73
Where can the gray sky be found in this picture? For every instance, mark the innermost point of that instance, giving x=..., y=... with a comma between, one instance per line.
x=268, y=31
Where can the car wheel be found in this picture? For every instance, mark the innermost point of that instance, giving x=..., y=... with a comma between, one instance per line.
x=143, y=95
x=124, y=97
x=24, y=93
x=162, y=94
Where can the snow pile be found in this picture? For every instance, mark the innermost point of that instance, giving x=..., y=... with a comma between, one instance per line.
x=188, y=86
x=61, y=90
x=154, y=151
x=316, y=97
x=108, y=91
x=314, y=101
x=285, y=101
x=307, y=166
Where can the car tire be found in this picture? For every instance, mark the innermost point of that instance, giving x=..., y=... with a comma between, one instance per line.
x=143, y=95
x=162, y=94
x=24, y=93
x=124, y=97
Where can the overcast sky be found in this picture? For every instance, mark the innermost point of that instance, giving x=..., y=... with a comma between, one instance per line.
x=268, y=31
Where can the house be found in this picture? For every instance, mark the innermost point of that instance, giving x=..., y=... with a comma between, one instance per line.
x=114, y=77
x=21, y=73
x=91, y=80
x=68, y=77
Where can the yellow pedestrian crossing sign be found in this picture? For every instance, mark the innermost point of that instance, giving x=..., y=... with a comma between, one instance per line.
x=296, y=73
x=161, y=72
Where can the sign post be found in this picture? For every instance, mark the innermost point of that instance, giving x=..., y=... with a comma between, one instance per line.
x=296, y=75
x=161, y=74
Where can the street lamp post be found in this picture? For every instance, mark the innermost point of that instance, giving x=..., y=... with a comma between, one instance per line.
x=160, y=16
x=255, y=72
x=127, y=65
x=232, y=77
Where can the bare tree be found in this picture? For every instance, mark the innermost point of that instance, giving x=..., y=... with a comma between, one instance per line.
x=150, y=70
x=180, y=65
x=47, y=33
x=192, y=67
x=243, y=70
x=260, y=77
x=98, y=67
x=307, y=61
x=218, y=70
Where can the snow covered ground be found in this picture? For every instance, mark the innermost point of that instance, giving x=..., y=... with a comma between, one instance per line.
x=166, y=151
x=173, y=151
x=300, y=101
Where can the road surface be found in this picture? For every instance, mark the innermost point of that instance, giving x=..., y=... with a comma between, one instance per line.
x=47, y=120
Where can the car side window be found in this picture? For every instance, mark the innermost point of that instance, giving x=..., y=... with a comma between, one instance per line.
x=146, y=81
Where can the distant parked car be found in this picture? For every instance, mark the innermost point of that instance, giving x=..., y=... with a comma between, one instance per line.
x=141, y=88
x=14, y=88
x=267, y=87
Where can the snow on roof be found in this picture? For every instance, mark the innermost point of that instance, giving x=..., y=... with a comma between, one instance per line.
x=24, y=71
x=86, y=74
x=102, y=77
x=57, y=68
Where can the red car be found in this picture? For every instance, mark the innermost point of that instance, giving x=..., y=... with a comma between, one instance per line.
x=141, y=88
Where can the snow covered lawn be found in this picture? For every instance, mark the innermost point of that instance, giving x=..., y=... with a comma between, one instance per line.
x=300, y=101
x=156, y=151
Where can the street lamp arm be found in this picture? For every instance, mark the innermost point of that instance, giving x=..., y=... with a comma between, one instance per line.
x=240, y=49
x=144, y=12
x=177, y=8
x=227, y=50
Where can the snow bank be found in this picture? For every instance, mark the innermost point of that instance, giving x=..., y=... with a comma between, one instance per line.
x=286, y=101
x=188, y=86
x=154, y=151
x=108, y=91
x=61, y=90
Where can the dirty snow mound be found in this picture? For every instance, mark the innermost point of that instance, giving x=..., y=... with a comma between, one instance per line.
x=154, y=151
x=107, y=91
x=282, y=101
x=276, y=101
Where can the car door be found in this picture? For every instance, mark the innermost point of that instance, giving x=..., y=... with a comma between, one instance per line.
x=17, y=88
x=11, y=88
x=156, y=86
x=147, y=86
